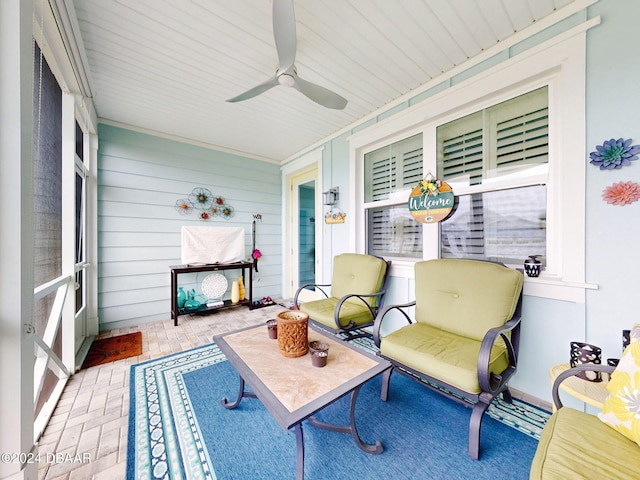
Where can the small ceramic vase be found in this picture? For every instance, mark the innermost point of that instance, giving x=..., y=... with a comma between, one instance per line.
x=241, y=290
x=532, y=266
x=235, y=292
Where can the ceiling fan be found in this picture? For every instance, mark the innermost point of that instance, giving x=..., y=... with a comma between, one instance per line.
x=284, y=33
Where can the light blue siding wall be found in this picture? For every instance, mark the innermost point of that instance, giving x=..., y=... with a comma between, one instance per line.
x=140, y=178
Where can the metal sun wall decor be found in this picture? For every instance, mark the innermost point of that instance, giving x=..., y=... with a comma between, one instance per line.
x=206, y=203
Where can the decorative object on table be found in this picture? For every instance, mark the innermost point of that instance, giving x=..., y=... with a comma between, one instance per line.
x=613, y=362
x=192, y=303
x=431, y=201
x=293, y=329
x=532, y=266
x=208, y=205
x=214, y=287
x=583, y=353
x=235, y=292
x=272, y=328
x=614, y=154
x=319, y=358
x=319, y=353
x=621, y=193
x=318, y=346
x=181, y=298
x=241, y=290
x=626, y=339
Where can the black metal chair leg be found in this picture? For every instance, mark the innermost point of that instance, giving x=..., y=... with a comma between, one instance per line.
x=474, y=428
x=386, y=378
x=506, y=395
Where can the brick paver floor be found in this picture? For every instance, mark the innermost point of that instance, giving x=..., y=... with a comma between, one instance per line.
x=86, y=437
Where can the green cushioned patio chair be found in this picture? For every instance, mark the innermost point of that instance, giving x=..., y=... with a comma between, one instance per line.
x=357, y=292
x=464, y=336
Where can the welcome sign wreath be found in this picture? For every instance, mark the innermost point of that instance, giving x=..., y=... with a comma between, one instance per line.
x=431, y=201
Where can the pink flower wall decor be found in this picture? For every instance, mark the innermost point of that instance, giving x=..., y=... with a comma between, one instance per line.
x=621, y=193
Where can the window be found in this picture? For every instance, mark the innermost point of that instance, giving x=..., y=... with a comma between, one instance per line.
x=389, y=172
x=496, y=160
x=510, y=140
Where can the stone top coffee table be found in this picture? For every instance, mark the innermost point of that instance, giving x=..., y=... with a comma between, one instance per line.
x=293, y=390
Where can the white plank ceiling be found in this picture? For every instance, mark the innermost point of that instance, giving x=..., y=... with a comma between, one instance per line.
x=169, y=65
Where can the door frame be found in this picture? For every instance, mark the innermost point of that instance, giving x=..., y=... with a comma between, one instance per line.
x=309, y=163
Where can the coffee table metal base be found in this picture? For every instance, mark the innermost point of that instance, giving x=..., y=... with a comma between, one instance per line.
x=351, y=429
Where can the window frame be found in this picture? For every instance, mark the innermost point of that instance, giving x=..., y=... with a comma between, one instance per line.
x=395, y=198
x=499, y=183
x=558, y=64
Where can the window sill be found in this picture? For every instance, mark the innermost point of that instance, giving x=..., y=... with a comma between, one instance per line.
x=402, y=268
x=555, y=289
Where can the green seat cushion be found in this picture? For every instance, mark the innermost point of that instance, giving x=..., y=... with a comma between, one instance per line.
x=443, y=355
x=353, y=273
x=357, y=273
x=322, y=311
x=576, y=445
x=465, y=297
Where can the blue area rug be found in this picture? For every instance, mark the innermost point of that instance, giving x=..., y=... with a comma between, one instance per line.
x=178, y=429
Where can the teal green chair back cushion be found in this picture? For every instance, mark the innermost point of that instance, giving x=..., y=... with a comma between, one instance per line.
x=465, y=297
x=357, y=273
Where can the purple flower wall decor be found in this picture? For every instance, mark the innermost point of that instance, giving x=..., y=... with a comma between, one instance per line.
x=614, y=154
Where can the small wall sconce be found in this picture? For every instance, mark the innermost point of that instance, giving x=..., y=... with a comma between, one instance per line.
x=330, y=197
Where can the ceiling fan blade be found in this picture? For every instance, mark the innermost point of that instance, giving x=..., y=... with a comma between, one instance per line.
x=320, y=95
x=257, y=90
x=284, y=33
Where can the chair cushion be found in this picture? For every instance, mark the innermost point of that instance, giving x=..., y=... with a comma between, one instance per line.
x=448, y=357
x=621, y=409
x=576, y=445
x=465, y=297
x=357, y=273
x=322, y=311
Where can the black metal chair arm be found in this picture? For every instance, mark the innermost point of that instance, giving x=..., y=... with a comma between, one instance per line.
x=570, y=372
x=380, y=317
x=362, y=297
x=315, y=285
x=489, y=383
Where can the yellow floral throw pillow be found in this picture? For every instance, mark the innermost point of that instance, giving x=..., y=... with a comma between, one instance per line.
x=621, y=409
